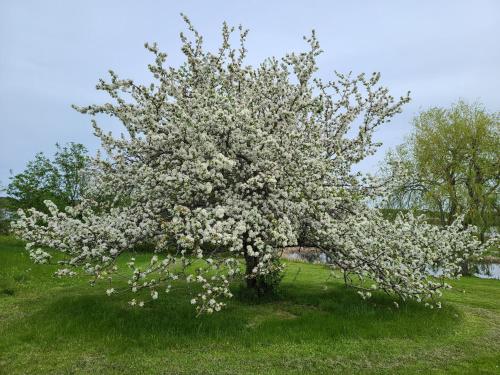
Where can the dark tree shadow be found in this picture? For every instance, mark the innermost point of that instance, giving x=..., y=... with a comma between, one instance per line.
x=298, y=314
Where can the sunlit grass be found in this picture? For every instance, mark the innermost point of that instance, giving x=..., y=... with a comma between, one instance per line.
x=314, y=325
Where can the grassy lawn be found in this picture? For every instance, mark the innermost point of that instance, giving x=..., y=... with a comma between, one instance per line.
x=315, y=326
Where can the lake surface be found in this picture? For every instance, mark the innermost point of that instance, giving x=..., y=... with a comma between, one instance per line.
x=481, y=270
x=488, y=271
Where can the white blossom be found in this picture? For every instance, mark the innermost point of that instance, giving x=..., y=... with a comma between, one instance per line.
x=226, y=163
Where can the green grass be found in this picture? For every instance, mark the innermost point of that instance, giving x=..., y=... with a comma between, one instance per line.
x=315, y=326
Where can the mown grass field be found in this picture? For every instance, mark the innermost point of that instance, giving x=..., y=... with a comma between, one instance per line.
x=315, y=326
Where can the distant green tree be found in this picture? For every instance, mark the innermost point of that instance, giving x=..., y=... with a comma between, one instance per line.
x=61, y=180
x=72, y=164
x=450, y=166
x=6, y=211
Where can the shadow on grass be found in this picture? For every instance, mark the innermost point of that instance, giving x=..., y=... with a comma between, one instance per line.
x=297, y=315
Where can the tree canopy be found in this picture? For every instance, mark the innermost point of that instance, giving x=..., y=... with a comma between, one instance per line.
x=222, y=165
x=451, y=165
x=60, y=180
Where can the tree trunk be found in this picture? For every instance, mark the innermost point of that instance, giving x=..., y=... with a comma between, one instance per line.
x=253, y=282
x=466, y=271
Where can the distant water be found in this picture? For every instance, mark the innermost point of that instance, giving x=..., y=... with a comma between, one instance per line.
x=488, y=271
x=482, y=270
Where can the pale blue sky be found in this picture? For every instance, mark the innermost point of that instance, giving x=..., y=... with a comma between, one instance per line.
x=53, y=52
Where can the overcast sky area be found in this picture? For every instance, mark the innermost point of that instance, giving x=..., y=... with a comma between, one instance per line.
x=52, y=54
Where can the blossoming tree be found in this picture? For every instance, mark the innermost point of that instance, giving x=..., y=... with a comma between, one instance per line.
x=223, y=165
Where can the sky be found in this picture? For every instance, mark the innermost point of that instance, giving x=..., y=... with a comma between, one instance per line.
x=52, y=54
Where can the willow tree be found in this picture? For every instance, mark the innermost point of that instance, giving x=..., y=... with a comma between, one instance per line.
x=450, y=165
x=223, y=164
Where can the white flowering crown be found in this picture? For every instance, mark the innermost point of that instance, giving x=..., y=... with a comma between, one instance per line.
x=224, y=164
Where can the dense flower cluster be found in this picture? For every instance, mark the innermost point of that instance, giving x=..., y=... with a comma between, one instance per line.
x=396, y=257
x=224, y=164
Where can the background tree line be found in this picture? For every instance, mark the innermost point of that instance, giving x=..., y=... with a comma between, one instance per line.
x=62, y=179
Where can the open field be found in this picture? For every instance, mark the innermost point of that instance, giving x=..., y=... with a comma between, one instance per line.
x=315, y=326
